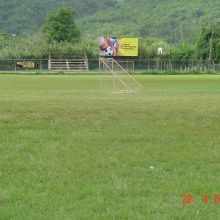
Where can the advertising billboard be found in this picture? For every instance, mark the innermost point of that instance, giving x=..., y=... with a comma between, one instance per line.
x=118, y=46
x=27, y=64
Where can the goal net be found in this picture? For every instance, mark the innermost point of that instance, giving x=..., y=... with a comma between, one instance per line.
x=122, y=81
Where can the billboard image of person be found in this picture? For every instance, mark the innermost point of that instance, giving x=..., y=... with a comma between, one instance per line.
x=113, y=46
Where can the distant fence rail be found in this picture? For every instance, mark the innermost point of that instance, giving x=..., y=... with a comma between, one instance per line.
x=132, y=65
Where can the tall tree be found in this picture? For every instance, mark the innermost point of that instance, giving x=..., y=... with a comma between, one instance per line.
x=60, y=26
x=208, y=43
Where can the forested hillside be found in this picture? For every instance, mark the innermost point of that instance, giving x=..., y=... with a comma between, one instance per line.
x=171, y=20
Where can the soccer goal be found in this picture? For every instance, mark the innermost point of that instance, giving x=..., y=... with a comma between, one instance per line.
x=122, y=81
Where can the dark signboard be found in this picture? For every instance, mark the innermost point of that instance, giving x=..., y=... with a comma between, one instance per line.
x=27, y=65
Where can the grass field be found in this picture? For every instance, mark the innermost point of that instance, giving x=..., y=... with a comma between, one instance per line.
x=72, y=151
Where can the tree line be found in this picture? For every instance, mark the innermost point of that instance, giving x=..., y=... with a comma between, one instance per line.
x=61, y=34
x=172, y=20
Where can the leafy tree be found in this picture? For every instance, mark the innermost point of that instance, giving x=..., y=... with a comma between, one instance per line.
x=60, y=26
x=2, y=41
x=148, y=48
x=184, y=51
x=208, y=43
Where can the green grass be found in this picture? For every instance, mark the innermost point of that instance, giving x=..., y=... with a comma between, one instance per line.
x=72, y=151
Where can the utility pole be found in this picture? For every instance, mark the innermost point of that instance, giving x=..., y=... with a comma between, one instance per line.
x=211, y=44
x=210, y=49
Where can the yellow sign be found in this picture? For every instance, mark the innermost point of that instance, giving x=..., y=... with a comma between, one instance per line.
x=112, y=46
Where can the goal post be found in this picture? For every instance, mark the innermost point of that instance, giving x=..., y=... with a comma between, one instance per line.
x=122, y=81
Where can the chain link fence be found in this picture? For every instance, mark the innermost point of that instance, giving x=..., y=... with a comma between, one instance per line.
x=131, y=65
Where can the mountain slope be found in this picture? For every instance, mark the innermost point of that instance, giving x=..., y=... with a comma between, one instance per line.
x=172, y=20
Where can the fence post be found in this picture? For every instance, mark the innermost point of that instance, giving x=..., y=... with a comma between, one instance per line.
x=40, y=64
x=15, y=67
x=171, y=65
